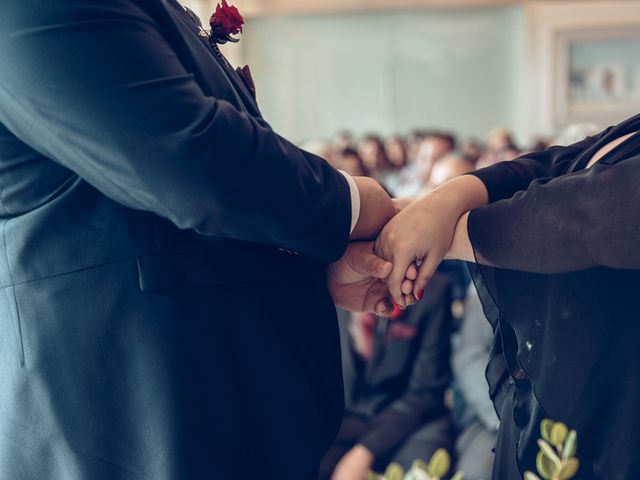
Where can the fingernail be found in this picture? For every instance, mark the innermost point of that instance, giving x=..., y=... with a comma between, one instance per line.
x=397, y=311
x=420, y=294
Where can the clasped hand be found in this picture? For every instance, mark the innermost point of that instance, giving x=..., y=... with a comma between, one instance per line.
x=395, y=252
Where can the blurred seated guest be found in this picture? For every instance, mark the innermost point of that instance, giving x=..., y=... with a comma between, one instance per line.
x=476, y=419
x=351, y=163
x=395, y=375
x=539, y=145
x=343, y=140
x=397, y=153
x=413, y=143
x=396, y=149
x=450, y=166
x=374, y=155
x=413, y=178
x=500, y=148
x=472, y=151
x=322, y=149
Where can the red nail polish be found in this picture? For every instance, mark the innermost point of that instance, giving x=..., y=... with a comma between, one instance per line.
x=420, y=294
x=397, y=311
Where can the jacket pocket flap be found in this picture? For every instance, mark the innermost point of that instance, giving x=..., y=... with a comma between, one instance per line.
x=160, y=272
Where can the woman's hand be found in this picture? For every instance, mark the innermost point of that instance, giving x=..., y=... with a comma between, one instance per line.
x=417, y=239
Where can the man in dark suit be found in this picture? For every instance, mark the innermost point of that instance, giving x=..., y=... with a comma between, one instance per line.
x=158, y=242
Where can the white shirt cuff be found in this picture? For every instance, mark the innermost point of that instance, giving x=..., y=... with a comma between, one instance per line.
x=355, y=200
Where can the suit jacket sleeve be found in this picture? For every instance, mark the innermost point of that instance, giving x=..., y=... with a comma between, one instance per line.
x=574, y=222
x=96, y=87
x=430, y=377
x=504, y=179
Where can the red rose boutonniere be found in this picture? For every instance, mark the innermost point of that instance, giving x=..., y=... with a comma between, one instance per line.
x=225, y=22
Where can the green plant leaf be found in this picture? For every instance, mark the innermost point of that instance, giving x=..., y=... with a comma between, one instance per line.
x=548, y=451
x=545, y=429
x=417, y=474
x=569, y=469
x=546, y=467
x=420, y=464
x=570, y=445
x=394, y=472
x=373, y=476
x=458, y=476
x=531, y=476
x=559, y=433
x=439, y=464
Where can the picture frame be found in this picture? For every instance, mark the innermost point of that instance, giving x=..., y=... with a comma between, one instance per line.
x=561, y=46
x=597, y=76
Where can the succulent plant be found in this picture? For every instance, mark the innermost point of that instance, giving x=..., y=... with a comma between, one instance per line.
x=556, y=459
x=435, y=469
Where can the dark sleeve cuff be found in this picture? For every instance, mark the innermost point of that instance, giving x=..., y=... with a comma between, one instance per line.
x=502, y=180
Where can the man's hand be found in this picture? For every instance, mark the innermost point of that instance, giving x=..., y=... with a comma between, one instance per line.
x=355, y=464
x=376, y=209
x=357, y=281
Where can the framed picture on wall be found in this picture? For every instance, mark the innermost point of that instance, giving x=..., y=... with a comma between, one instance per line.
x=597, y=76
x=583, y=63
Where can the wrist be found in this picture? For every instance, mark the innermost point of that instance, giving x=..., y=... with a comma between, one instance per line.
x=461, y=248
x=461, y=194
x=376, y=209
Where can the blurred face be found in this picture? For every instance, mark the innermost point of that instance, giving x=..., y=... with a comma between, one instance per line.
x=498, y=139
x=342, y=142
x=432, y=149
x=370, y=153
x=352, y=165
x=396, y=152
x=447, y=169
x=413, y=148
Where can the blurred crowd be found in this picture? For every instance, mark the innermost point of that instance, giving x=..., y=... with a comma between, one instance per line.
x=414, y=164
x=415, y=383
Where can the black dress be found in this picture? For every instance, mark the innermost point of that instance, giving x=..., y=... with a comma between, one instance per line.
x=561, y=292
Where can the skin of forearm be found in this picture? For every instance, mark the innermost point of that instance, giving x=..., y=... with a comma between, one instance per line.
x=462, y=195
x=461, y=248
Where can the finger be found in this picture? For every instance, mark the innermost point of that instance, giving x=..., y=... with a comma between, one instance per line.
x=395, y=279
x=427, y=270
x=412, y=272
x=367, y=263
x=407, y=286
x=384, y=307
x=410, y=299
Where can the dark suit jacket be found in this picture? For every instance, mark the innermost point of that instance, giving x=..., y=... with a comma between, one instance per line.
x=402, y=386
x=149, y=325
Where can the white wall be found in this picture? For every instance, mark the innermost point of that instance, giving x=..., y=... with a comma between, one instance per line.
x=389, y=72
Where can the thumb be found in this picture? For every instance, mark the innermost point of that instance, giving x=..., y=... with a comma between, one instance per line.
x=369, y=264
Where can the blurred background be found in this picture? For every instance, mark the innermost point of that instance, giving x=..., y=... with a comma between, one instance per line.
x=467, y=66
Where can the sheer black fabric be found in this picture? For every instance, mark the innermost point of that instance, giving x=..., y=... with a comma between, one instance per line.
x=558, y=273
